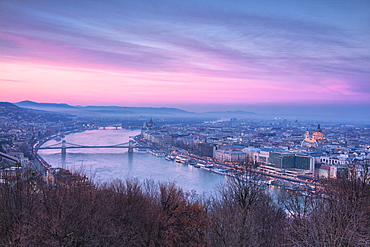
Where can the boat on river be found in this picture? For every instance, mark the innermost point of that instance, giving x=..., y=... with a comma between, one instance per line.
x=156, y=153
x=142, y=150
x=180, y=159
x=192, y=162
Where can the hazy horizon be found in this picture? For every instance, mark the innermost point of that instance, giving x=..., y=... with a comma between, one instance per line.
x=312, y=112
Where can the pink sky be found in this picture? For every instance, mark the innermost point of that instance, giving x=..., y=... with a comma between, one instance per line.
x=150, y=55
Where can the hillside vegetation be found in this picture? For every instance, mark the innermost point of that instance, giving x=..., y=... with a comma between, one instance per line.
x=75, y=212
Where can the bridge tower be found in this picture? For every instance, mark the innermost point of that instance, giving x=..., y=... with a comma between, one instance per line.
x=130, y=146
x=64, y=149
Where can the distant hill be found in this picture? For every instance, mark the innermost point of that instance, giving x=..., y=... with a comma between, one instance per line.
x=137, y=110
x=120, y=111
x=43, y=106
x=107, y=111
x=8, y=105
x=16, y=113
x=348, y=113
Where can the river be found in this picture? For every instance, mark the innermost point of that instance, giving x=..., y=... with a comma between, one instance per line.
x=105, y=165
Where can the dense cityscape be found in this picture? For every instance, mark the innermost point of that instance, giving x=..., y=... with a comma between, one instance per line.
x=289, y=149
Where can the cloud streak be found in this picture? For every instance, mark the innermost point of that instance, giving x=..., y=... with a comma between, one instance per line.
x=211, y=52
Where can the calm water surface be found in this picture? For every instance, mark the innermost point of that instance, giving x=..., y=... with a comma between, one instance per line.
x=105, y=165
x=109, y=164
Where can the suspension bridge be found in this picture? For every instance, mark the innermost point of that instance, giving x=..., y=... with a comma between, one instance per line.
x=63, y=146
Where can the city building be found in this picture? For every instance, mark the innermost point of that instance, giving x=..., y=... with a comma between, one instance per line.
x=292, y=161
x=315, y=140
x=230, y=154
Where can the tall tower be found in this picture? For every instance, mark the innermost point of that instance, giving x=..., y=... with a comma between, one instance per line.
x=307, y=135
x=150, y=124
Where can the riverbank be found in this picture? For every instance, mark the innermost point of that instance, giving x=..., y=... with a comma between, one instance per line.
x=105, y=165
x=102, y=163
x=254, y=173
x=184, y=157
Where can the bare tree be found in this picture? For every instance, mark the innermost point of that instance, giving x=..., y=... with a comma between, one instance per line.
x=339, y=215
x=242, y=214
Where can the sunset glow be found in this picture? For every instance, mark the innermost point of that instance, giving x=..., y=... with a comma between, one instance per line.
x=173, y=53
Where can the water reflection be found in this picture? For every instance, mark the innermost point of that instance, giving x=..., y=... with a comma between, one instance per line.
x=109, y=164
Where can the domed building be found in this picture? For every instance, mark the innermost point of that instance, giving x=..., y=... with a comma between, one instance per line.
x=316, y=138
x=149, y=125
x=318, y=135
x=308, y=141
